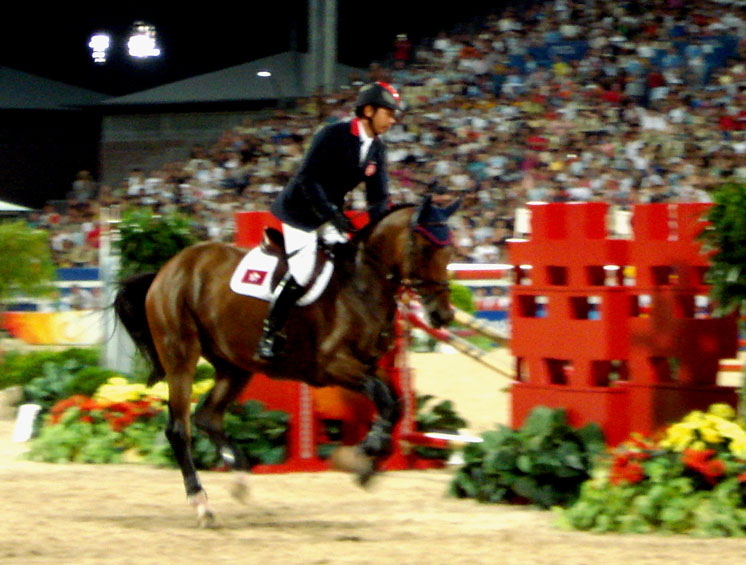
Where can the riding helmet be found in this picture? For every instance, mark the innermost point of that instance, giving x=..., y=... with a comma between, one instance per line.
x=379, y=95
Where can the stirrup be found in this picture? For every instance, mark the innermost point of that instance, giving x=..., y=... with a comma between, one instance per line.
x=270, y=346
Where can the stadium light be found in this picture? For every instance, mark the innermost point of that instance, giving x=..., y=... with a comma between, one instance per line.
x=264, y=74
x=99, y=44
x=142, y=42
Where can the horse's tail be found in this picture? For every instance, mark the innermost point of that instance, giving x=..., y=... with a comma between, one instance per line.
x=129, y=305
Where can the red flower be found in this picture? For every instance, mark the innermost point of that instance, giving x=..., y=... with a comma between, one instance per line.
x=64, y=405
x=626, y=469
x=89, y=405
x=741, y=478
x=118, y=424
x=702, y=462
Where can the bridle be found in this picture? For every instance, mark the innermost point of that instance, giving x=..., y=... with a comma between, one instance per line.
x=418, y=284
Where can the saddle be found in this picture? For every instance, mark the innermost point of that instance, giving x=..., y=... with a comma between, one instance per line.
x=263, y=267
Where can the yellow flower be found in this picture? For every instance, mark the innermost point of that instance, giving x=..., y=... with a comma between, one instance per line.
x=722, y=410
x=694, y=417
x=678, y=437
x=710, y=435
x=738, y=446
x=118, y=389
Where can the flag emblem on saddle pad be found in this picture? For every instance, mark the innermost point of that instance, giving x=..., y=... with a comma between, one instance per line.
x=252, y=276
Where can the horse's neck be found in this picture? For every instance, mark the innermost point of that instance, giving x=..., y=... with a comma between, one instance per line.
x=380, y=257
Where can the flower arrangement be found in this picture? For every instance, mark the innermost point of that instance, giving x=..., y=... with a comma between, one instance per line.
x=86, y=430
x=124, y=421
x=692, y=480
x=119, y=389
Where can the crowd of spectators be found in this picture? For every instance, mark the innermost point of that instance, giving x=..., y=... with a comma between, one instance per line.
x=561, y=100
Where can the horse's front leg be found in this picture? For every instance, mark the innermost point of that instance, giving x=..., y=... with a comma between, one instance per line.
x=377, y=442
x=363, y=458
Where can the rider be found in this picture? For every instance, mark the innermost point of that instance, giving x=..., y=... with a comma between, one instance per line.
x=341, y=156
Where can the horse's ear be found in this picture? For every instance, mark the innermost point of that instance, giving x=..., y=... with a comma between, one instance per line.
x=452, y=207
x=424, y=210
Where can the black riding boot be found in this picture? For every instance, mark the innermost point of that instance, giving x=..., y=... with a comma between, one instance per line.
x=272, y=341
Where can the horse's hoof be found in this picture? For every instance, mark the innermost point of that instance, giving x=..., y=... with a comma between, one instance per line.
x=208, y=520
x=364, y=477
x=205, y=516
x=353, y=460
x=239, y=488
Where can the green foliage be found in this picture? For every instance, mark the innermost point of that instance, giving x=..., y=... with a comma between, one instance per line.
x=438, y=417
x=88, y=432
x=543, y=463
x=49, y=376
x=18, y=368
x=59, y=381
x=669, y=499
x=73, y=440
x=462, y=298
x=725, y=236
x=26, y=268
x=86, y=380
x=257, y=432
x=149, y=240
x=693, y=481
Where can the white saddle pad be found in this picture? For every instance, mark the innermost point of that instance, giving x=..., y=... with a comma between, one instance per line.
x=253, y=277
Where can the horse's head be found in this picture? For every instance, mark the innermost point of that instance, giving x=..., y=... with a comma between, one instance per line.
x=426, y=260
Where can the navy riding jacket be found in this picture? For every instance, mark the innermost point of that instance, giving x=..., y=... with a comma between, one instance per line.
x=330, y=170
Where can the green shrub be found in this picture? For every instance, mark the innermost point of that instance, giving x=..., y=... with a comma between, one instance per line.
x=86, y=380
x=462, y=297
x=18, y=368
x=259, y=433
x=439, y=417
x=148, y=240
x=543, y=463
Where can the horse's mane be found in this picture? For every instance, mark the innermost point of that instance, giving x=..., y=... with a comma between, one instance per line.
x=365, y=231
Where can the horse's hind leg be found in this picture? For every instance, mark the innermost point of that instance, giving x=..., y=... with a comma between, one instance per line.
x=209, y=418
x=178, y=432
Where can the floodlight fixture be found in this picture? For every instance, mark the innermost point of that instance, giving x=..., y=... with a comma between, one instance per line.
x=264, y=74
x=142, y=43
x=99, y=44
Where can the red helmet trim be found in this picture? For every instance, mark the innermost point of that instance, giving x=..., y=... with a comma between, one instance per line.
x=391, y=90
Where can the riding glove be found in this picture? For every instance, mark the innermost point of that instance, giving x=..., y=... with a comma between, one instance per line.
x=343, y=223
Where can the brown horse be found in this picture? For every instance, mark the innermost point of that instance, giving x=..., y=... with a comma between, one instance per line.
x=187, y=310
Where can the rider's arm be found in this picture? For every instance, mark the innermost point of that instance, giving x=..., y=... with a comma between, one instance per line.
x=377, y=187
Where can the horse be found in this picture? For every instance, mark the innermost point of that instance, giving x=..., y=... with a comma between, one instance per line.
x=186, y=311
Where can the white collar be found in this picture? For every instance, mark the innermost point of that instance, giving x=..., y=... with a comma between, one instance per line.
x=365, y=141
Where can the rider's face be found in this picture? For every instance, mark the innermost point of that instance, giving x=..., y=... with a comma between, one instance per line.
x=381, y=119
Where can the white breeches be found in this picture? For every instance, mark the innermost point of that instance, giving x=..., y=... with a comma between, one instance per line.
x=301, y=246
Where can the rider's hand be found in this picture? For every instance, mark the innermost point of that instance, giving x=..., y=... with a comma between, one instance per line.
x=343, y=223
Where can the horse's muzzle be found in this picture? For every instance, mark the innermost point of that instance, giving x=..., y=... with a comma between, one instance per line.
x=439, y=317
